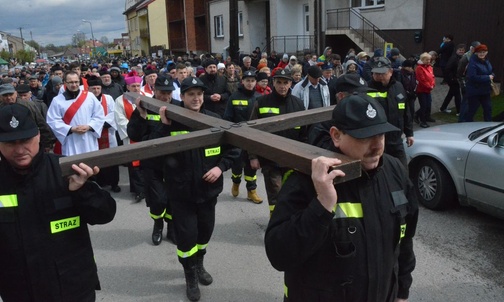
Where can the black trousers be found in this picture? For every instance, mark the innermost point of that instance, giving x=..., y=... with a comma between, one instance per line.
x=136, y=179
x=194, y=224
x=242, y=163
x=156, y=197
x=108, y=176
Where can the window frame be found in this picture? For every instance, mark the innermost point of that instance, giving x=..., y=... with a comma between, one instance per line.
x=219, y=26
x=364, y=4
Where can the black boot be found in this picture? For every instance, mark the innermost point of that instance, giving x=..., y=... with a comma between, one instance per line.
x=204, y=277
x=192, y=289
x=170, y=235
x=157, y=231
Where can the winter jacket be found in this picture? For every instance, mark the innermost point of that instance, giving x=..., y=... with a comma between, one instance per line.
x=360, y=252
x=425, y=78
x=302, y=91
x=240, y=104
x=215, y=84
x=478, y=76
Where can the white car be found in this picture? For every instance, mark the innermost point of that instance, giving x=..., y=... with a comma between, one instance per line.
x=461, y=162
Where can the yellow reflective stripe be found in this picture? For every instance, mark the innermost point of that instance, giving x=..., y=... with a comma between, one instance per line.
x=286, y=291
x=237, y=175
x=250, y=178
x=272, y=208
x=202, y=246
x=174, y=133
x=348, y=210
x=8, y=201
x=401, y=105
x=297, y=128
x=65, y=224
x=168, y=216
x=240, y=102
x=264, y=110
x=403, y=230
x=187, y=254
x=212, y=151
x=153, y=216
x=286, y=175
x=153, y=117
x=378, y=94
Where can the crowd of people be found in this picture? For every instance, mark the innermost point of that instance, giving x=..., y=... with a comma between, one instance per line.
x=81, y=107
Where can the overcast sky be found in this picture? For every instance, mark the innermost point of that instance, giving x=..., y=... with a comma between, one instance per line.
x=56, y=21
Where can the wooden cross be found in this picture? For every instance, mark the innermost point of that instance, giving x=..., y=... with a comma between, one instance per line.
x=254, y=136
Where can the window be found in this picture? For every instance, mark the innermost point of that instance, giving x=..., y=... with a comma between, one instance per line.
x=219, y=26
x=306, y=17
x=240, y=24
x=366, y=3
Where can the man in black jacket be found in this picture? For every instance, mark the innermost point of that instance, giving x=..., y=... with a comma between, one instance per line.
x=280, y=101
x=238, y=110
x=194, y=181
x=216, y=94
x=351, y=242
x=45, y=250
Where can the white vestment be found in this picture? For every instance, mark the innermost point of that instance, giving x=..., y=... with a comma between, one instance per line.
x=121, y=119
x=89, y=113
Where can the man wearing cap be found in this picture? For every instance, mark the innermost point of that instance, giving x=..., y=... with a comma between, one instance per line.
x=76, y=118
x=122, y=112
x=143, y=126
x=216, y=94
x=239, y=109
x=280, y=101
x=108, y=86
x=352, y=241
x=194, y=180
x=25, y=93
x=46, y=252
x=8, y=96
x=109, y=175
x=313, y=90
x=342, y=87
x=392, y=96
x=36, y=87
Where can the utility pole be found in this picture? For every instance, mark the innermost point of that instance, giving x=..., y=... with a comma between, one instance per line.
x=234, y=45
x=21, y=32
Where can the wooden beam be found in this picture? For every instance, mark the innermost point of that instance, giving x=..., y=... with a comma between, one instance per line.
x=143, y=150
x=288, y=152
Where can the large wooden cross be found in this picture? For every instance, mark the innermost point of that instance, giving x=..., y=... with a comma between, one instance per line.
x=254, y=136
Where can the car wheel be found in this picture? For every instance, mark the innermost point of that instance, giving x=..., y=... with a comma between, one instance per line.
x=433, y=184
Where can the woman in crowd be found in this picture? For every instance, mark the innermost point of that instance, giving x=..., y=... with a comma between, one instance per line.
x=426, y=82
x=479, y=76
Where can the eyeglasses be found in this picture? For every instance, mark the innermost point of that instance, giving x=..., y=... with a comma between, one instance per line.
x=73, y=83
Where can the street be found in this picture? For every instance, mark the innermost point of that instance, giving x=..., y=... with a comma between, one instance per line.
x=459, y=255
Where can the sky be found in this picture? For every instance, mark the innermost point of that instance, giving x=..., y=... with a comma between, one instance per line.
x=56, y=21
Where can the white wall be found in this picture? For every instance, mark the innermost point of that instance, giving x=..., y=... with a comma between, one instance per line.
x=394, y=15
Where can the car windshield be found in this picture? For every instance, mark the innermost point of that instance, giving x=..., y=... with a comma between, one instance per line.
x=479, y=132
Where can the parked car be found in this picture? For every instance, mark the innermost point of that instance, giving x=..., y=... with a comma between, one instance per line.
x=461, y=162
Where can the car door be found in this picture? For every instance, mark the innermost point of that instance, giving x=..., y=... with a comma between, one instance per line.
x=484, y=176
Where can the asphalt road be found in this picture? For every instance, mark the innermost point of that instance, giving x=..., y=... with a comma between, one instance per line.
x=459, y=255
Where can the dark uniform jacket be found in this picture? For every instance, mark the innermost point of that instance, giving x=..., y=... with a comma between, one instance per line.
x=45, y=250
x=393, y=99
x=274, y=104
x=240, y=104
x=140, y=129
x=114, y=90
x=215, y=84
x=361, y=252
x=184, y=171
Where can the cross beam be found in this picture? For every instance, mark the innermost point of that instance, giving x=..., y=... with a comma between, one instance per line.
x=252, y=136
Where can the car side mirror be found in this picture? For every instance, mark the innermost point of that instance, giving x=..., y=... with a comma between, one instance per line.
x=493, y=140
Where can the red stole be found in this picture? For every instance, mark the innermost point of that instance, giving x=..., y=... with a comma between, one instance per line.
x=128, y=110
x=69, y=115
x=147, y=89
x=103, y=141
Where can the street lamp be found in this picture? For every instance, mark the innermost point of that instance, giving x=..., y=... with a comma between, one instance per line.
x=92, y=35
